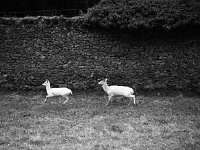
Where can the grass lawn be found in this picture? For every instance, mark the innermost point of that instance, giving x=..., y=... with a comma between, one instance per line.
x=161, y=122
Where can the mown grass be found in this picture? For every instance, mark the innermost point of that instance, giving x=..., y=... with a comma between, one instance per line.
x=83, y=123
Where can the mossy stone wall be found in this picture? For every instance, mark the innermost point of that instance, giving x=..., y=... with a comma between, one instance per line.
x=68, y=54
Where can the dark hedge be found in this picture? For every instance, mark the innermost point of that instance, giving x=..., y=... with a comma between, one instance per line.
x=134, y=14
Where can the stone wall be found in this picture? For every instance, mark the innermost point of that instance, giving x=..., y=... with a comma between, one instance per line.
x=78, y=57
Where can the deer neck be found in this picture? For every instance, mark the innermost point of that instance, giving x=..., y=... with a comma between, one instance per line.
x=105, y=87
x=48, y=87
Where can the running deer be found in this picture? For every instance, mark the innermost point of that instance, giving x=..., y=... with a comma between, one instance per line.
x=117, y=90
x=64, y=92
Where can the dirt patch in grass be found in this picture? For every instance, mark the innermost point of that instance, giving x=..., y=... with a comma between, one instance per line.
x=156, y=122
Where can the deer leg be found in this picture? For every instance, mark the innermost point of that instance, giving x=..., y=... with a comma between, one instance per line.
x=47, y=97
x=130, y=98
x=67, y=98
x=134, y=99
x=109, y=99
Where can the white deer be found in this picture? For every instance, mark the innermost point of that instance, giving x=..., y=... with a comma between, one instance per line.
x=117, y=90
x=64, y=92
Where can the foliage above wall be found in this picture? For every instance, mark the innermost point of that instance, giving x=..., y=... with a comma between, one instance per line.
x=132, y=14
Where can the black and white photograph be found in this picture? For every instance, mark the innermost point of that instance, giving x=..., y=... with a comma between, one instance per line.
x=100, y=75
